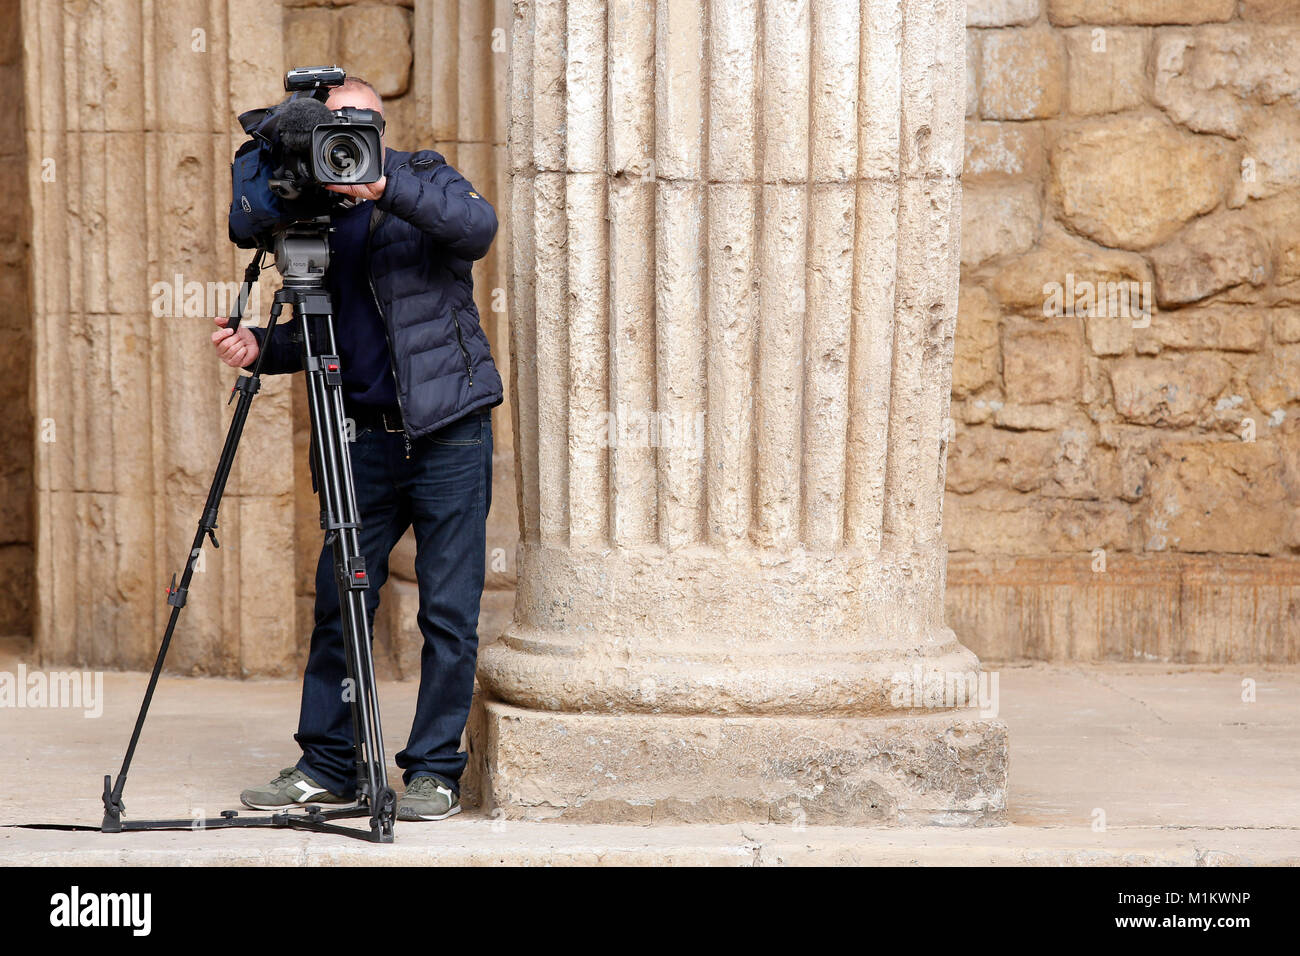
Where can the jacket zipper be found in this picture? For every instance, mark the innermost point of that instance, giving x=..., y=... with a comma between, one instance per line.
x=392, y=366
x=460, y=339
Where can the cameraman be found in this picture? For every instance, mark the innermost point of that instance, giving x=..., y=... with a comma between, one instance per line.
x=418, y=381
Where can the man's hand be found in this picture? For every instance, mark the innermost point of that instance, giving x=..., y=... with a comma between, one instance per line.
x=236, y=349
x=362, y=190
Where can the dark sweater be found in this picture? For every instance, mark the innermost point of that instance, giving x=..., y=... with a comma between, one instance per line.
x=358, y=327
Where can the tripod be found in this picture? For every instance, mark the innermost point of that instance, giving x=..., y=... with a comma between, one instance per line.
x=302, y=258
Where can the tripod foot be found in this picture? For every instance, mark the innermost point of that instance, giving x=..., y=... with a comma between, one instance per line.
x=113, y=809
x=381, y=822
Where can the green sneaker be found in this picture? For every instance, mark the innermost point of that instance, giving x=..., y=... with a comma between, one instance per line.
x=428, y=798
x=293, y=788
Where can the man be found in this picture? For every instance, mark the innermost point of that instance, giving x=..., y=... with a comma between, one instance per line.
x=418, y=381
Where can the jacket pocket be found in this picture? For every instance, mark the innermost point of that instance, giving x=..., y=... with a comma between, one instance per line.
x=464, y=352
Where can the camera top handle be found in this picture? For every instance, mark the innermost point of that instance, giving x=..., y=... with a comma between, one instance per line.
x=317, y=81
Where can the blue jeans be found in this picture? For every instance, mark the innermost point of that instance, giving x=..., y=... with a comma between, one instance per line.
x=444, y=490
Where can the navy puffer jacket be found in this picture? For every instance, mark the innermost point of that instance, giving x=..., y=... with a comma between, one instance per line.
x=425, y=232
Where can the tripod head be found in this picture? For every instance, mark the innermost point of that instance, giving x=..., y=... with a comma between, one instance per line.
x=302, y=252
x=302, y=256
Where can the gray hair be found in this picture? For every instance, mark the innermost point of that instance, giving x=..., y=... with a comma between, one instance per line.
x=356, y=82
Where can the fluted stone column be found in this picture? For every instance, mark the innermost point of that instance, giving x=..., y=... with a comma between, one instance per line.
x=735, y=271
x=131, y=125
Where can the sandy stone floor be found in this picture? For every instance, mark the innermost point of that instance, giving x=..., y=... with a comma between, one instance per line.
x=1183, y=770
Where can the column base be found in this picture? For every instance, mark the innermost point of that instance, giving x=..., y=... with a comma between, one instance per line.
x=947, y=768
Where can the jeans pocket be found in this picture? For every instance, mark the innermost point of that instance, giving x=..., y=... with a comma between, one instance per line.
x=363, y=443
x=363, y=436
x=464, y=431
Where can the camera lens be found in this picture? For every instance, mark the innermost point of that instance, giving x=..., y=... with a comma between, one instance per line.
x=343, y=156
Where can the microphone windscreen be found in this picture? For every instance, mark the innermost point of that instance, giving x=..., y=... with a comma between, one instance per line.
x=296, y=121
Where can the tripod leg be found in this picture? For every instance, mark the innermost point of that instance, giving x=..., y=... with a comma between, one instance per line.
x=341, y=521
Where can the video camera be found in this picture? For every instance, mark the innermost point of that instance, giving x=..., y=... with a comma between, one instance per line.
x=298, y=147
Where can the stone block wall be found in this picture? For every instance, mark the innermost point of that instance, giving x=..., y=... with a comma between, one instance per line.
x=1122, y=481
x=1118, y=486
x=129, y=133
x=136, y=403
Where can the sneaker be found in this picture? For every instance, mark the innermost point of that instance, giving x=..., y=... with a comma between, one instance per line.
x=428, y=798
x=293, y=788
